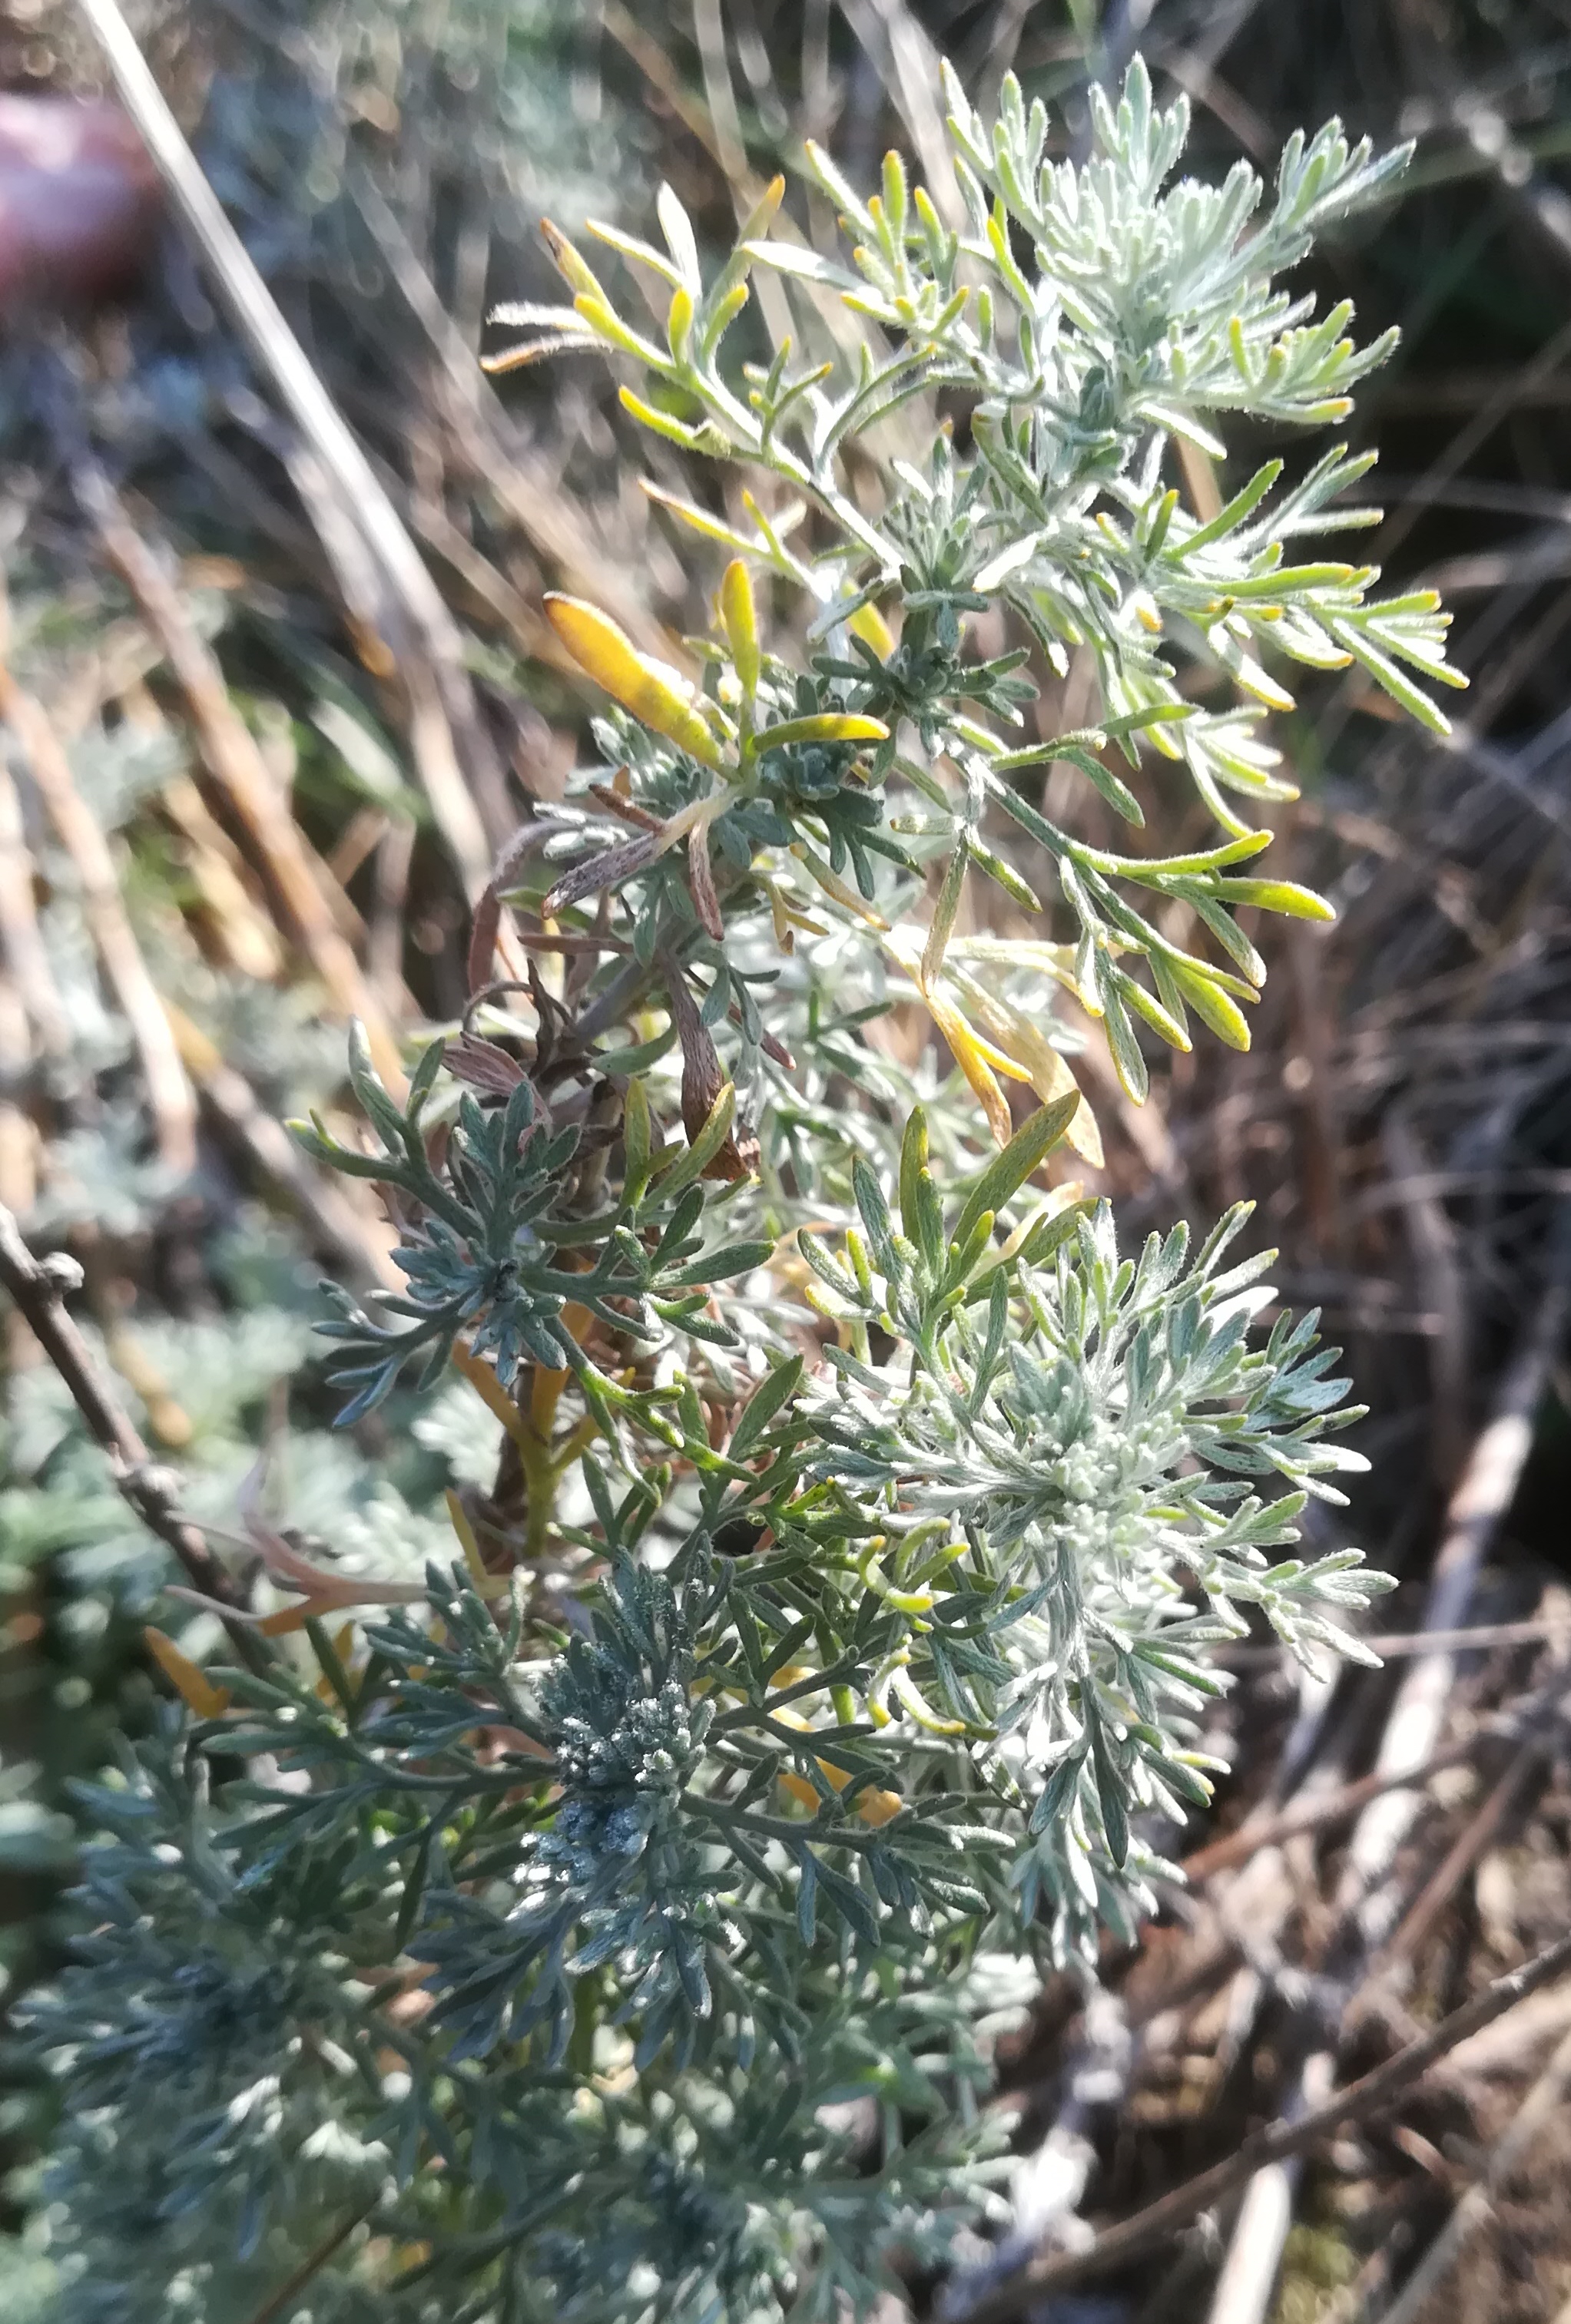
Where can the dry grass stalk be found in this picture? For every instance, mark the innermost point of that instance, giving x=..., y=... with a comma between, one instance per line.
x=1279, y=2141
x=1367, y=1897
x=262, y=325
x=1548, y=2095
x=21, y=940
x=169, y=1092
x=234, y=759
x=1482, y=1495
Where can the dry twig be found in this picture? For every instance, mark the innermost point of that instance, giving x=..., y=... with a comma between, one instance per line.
x=1480, y=1501
x=1133, y=2238
x=21, y=939
x=1367, y=1897
x=1544, y=2098
x=39, y=1288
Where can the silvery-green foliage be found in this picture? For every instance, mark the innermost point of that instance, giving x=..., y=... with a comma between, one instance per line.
x=902, y=1677
x=1078, y=1435
x=493, y=1223
x=1091, y=318
x=618, y=1925
x=236, y=2093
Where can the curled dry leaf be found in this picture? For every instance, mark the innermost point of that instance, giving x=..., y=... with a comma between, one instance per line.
x=603, y=871
x=703, y=1079
x=701, y=882
x=485, y=1065
x=485, y=924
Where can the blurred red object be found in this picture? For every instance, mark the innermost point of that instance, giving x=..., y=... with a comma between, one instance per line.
x=79, y=202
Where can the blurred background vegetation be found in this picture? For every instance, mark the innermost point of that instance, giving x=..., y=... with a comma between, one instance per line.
x=219, y=756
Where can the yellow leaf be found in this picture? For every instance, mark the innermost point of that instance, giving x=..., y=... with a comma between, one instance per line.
x=679, y=323
x=870, y=626
x=972, y=1060
x=290, y=1619
x=740, y=617
x=873, y=1807
x=973, y=1054
x=194, y=1687
x=825, y=726
x=1045, y=1067
x=494, y=1395
x=1000, y=1060
x=567, y=262
x=654, y=694
x=487, y=1585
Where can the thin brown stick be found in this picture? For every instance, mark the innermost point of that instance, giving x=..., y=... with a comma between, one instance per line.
x=647, y=54
x=250, y=943
x=39, y=1287
x=1463, y=1853
x=394, y=859
x=18, y=1139
x=1368, y=1899
x=1543, y=2102
x=1437, y=1267
x=1481, y=1497
x=1311, y=1815
x=1133, y=2238
x=279, y=2303
x=169, y=1092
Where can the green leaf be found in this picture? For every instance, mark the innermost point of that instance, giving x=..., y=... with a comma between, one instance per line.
x=1283, y=896
x=1209, y=1002
x=705, y=1146
x=870, y=1202
x=719, y=1265
x=1008, y=1171
x=313, y=1138
x=770, y=1397
x=1110, y=1789
x=367, y=1085
x=827, y=1266
x=1229, y=517
x=1123, y=1045
x=944, y=913
x=913, y=1162
x=423, y=1080
x=637, y=1140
